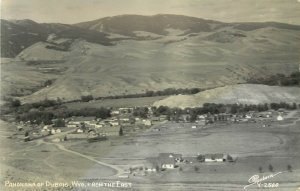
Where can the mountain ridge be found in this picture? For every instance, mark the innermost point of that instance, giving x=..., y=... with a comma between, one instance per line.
x=97, y=31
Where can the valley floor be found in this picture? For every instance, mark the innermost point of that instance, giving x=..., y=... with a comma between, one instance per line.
x=108, y=161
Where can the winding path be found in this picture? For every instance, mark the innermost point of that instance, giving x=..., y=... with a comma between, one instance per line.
x=61, y=147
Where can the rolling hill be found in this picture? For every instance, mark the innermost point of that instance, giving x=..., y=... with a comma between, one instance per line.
x=132, y=54
x=18, y=35
x=242, y=93
x=127, y=24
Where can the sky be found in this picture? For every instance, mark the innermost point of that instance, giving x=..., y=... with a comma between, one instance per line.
x=74, y=11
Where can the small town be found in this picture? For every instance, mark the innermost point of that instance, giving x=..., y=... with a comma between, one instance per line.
x=131, y=121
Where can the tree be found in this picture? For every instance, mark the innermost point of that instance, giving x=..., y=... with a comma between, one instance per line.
x=87, y=98
x=59, y=123
x=121, y=131
x=48, y=82
x=27, y=138
x=157, y=168
x=229, y=158
x=141, y=112
x=271, y=168
x=15, y=103
x=289, y=168
x=200, y=158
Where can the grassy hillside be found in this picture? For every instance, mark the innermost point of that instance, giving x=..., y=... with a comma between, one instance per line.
x=18, y=35
x=158, y=24
x=166, y=56
x=243, y=93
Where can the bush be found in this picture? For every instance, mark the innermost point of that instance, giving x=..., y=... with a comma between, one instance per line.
x=59, y=123
x=229, y=158
x=121, y=132
x=200, y=158
x=87, y=98
x=289, y=168
x=271, y=169
x=15, y=103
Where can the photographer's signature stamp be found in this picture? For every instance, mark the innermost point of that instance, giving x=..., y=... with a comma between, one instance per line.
x=259, y=181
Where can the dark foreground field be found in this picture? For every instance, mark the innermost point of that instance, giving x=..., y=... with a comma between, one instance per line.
x=252, y=145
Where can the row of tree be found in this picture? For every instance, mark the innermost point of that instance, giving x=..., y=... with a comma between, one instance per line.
x=212, y=108
x=278, y=80
x=49, y=117
x=166, y=92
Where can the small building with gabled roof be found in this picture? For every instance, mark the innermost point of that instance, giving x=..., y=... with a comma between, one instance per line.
x=214, y=158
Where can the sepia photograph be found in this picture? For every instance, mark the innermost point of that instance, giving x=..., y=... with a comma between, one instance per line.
x=150, y=95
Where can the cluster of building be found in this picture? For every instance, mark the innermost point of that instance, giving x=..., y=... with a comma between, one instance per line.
x=172, y=160
x=121, y=118
x=250, y=116
x=124, y=118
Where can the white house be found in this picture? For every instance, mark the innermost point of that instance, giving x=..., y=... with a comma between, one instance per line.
x=114, y=123
x=248, y=116
x=70, y=125
x=79, y=130
x=115, y=112
x=99, y=125
x=45, y=127
x=168, y=160
x=79, y=120
x=214, y=158
x=167, y=163
x=58, y=131
x=279, y=118
x=150, y=169
x=147, y=122
x=54, y=131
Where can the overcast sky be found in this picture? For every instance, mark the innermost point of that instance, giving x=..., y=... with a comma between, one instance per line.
x=73, y=11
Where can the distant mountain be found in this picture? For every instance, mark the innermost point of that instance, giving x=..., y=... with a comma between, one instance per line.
x=19, y=34
x=158, y=24
x=127, y=24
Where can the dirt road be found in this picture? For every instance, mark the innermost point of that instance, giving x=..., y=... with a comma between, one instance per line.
x=116, y=168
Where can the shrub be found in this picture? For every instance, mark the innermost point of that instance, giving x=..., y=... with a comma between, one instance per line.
x=271, y=169
x=289, y=168
x=87, y=98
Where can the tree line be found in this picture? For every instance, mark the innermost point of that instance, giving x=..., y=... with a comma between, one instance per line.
x=47, y=117
x=212, y=108
x=47, y=110
x=148, y=93
x=278, y=80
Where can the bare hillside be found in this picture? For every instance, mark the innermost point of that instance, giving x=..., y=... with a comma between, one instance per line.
x=242, y=93
x=174, y=52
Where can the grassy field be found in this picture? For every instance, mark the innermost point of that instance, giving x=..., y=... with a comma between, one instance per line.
x=254, y=147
